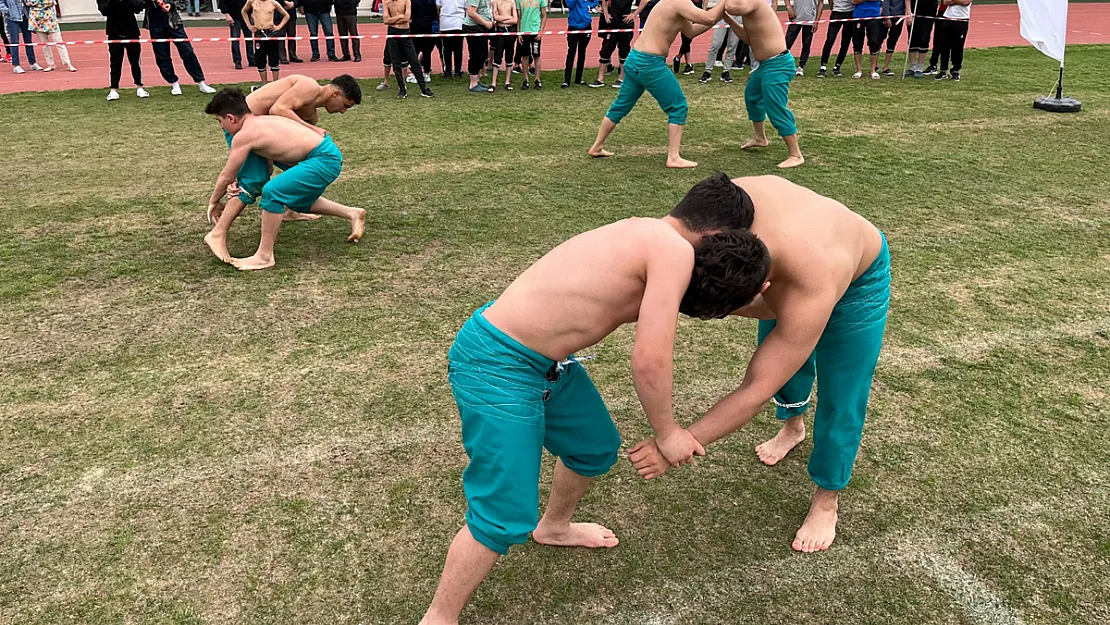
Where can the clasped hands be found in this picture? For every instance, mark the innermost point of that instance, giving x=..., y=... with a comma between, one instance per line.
x=652, y=457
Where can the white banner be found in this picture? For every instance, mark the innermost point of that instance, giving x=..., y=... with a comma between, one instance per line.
x=1044, y=23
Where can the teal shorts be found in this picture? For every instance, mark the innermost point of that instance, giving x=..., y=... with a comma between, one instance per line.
x=299, y=186
x=649, y=71
x=253, y=174
x=843, y=365
x=768, y=91
x=513, y=403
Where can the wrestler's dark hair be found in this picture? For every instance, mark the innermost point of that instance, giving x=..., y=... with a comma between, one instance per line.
x=228, y=101
x=714, y=204
x=729, y=270
x=348, y=86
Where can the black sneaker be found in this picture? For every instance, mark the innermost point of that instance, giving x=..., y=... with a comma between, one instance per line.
x=539, y=85
x=617, y=84
x=238, y=66
x=940, y=76
x=705, y=77
x=821, y=73
x=565, y=85
x=532, y=71
x=580, y=82
x=516, y=69
x=314, y=58
x=929, y=71
x=887, y=72
x=725, y=77
x=524, y=86
x=836, y=71
x=296, y=59
x=358, y=58
x=597, y=83
x=402, y=94
x=675, y=64
x=344, y=59
x=689, y=69
x=956, y=76
x=427, y=93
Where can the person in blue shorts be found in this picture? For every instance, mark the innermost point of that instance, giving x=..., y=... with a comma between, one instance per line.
x=646, y=69
x=520, y=388
x=311, y=163
x=768, y=90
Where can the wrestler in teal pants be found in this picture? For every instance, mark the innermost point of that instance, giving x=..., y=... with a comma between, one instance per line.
x=843, y=364
x=768, y=91
x=649, y=71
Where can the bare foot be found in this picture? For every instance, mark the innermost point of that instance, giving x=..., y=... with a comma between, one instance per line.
x=819, y=528
x=793, y=161
x=776, y=449
x=253, y=263
x=218, y=245
x=680, y=163
x=576, y=535
x=754, y=143
x=600, y=153
x=295, y=216
x=358, y=226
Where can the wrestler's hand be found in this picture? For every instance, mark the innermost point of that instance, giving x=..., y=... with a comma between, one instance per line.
x=215, y=211
x=679, y=447
x=647, y=460
x=234, y=189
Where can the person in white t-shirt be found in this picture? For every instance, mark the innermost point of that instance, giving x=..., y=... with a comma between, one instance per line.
x=952, y=32
x=451, y=15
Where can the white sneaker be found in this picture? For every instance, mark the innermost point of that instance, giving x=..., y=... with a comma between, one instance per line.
x=427, y=78
x=18, y=70
x=857, y=75
x=204, y=88
x=142, y=93
x=410, y=78
x=113, y=95
x=36, y=67
x=718, y=64
x=175, y=88
x=799, y=72
x=875, y=76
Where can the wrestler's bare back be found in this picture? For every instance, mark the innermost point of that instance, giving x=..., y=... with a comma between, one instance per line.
x=815, y=242
x=275, y=138
x=667, y=19
x=763, y=30
x=587, y=287
x=262, y=100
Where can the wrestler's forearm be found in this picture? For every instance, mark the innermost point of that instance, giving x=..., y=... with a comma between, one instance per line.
x=698, y=29
x=655, y=387
x=222, y=183
x=729, y=414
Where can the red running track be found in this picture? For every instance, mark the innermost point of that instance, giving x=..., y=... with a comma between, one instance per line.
x=991, y=25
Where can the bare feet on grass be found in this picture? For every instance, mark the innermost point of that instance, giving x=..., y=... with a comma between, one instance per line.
x=819, y=529
x=755, y=143
x=770, y=452
x=793, y=161
x=253, y=263
x=218, y=245
x=678, y=162
x=576, y=535
x=600, y=153
x=358, y=226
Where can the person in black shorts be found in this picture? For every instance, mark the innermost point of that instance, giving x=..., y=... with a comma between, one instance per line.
x=259, y=17
x=921, y=28
x=897, y=14
x=615, y=15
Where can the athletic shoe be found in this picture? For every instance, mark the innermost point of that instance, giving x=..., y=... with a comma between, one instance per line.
x=525, y=86
x=36, y=67
x=410, y=79
x=689, y=70
x=888, y=72
x=238, y=66
x=402, y=94
x=821, y=73
x=675, y=64
x=940, y=76
x=705, y=77
x=565, y=85
x=929, y=71
x=725, y=77
x=142, y=93
x=539, y=85
x=918, y=74
x=836, y=72
x=908, y=73
x=345, y=58
x=297, y=59
x=18, y=70
x=204, y=88
x=718, y=64
x=580, y=82
x=956, y=76
x=617, y=84
x=427, y=93
x=175, y=89
x=597, y=83
x=799, y=72
x=382, y=86
x=113, y=95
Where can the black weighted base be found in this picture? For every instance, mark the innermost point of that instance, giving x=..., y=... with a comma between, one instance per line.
x=1058, y=105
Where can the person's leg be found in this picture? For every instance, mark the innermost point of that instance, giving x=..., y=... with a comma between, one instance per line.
x=629, y=94
x=846, y=357
x=409, y=50
x=188, y=56
x=263, y=258
x=134, y=54
x=312, y=20
x=937, y=26
x=26, y=32
x=775, y=87
x=572, y=42
x=162, y=54
x=63, y=52
x=807, y=42
x=272, y=47
x=394, y=46
x=216, y=239
x=6, y=51
x=715, y=44
x=510, y=54
x=757, y=114
x=859, y=32
x=47, y=52
x=958, y=39
x=731, y=42
x=291, y=31
x=583, y=43
x=944, y=37
x=325, y=22
x=260, y=57
x=248, y=39
x=664, y=87
x=477, y=48
x=791, y=402
x=892, y=38
x=876, y=32
x=115, y=64
x=468, y=563
x=233, y=34
x=341, y=24
x=13, y=33
x=792, y=32
x=845, y=40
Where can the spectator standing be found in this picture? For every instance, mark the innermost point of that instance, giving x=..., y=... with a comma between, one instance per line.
x=163, y=19
x=533, y=21
x=953, y=35
x=578, y=19
x=451, y=16
x=15, y=17
x=870, y=25
x=921, y=29
x=478, y=22
x=722, y=36
x=424, y=14
x=803, y=11
x=233, y=13
x=504, y=46
x=287, y=53
x=897, y=15
x=346, y=20
x=42, y=18
x=121, y=25
x=615, y=15
x=841, y=10
x=317, y=13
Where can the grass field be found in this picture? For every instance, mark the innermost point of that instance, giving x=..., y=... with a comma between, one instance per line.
x=183, y=443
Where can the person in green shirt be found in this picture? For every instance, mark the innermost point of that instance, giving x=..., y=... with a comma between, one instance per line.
x=478, y=21
x=533, y=21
